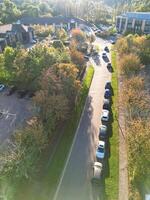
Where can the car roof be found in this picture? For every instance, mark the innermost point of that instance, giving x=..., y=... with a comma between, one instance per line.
x=101, y=143
x=98, y=164
x=106, y=102
x=97, y=170
x=107, y=89
x=105, y=112
x=103, y=126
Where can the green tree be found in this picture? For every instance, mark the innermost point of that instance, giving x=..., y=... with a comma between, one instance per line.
x=10, y=13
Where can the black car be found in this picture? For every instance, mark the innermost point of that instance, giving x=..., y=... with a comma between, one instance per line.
x=86, y=58
x=107, y=93
x=106, y=49
x=106, y=104
x=103, y=132
x=108, y=85
x=109, y=67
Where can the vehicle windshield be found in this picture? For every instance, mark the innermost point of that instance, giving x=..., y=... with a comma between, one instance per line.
x=100, y=149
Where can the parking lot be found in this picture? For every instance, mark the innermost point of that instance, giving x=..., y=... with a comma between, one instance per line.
x=14, y=112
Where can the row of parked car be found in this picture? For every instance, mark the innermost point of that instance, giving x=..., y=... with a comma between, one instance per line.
x=103, y=131
x=20, y=93
x=103, y=134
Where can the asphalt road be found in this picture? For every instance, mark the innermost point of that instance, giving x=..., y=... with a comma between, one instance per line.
x=75, y=183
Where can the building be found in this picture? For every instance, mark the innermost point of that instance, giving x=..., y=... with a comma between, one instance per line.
x=67, y=23
x=134, y=22
x=11, y=34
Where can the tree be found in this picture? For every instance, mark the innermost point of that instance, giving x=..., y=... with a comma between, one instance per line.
x=42, y=31
x=130, y=65
x=135, y=98
x=10, y=13
x=68, y=73
x=61, y=34
x=78, y=35
x=139, y=150
x=77, y=58
x=51, y=100
x=20, y=160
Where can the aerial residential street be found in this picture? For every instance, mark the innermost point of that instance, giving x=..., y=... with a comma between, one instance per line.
x=75, y=182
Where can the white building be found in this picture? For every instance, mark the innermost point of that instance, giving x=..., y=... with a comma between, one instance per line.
x=134, y=22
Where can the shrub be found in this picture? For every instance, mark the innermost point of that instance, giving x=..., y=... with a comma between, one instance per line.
x=130, y=65
x=78, y=35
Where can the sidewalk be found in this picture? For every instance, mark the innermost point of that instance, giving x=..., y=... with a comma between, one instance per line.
x=123, y=160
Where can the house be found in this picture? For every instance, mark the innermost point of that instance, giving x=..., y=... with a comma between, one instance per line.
x=11, y=34
x=135, y=22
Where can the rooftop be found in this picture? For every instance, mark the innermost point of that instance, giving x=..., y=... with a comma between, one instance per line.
x=138, y=15
x=50, y=20
x=13, y=28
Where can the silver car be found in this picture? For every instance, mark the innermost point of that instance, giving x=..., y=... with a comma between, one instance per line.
x=97, y=172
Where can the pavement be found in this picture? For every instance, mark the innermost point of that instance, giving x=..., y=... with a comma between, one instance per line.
x=15, y=113
x=123, y=158
x=75, y=182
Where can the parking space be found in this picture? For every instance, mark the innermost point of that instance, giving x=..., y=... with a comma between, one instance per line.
x=13, y=113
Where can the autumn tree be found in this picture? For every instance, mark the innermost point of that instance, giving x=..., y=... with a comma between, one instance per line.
x=78, y=35
x=52, y=103
x=139, y=150
x=77, y=58
x=129, y=65
x=19, y=161
x=68, y=73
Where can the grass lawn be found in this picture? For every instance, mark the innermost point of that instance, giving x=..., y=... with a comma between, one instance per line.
x=44, y=189
x=112, y=181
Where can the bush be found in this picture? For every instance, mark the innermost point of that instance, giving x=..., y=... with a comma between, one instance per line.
x=19, y=161
x=78, y=35
x=43, y=31
x=58, y=44
x=130, y=65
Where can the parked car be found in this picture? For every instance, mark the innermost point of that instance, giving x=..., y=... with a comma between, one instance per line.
x=109, y=67
x=100, y=152
x=87, y=58
x=97, y=172
x=107, y=93
x=104, y=54
x=112, y=41
x=11, y=90
x=33, y=41
x=106, y=49
x=108, y=85
x=105, y=116
x=102, y=132
x=106, y=104
x=2, y=87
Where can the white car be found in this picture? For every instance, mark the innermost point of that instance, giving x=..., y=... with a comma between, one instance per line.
x=97, y=171
x=100, y=152
x=2, y=87
x=105, y=115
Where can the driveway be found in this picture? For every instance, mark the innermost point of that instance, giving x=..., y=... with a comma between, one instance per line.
x=75, y=183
